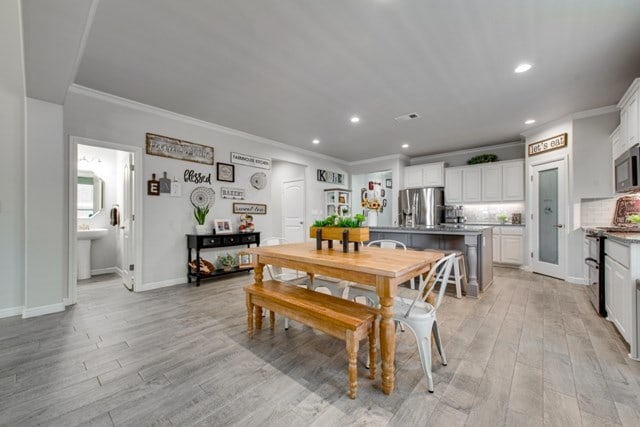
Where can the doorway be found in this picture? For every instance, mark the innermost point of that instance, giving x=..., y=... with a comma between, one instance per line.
x=293, y=228
x=104, y=212
x=548, y=196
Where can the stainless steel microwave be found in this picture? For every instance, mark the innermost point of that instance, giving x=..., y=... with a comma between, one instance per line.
x=626, y=170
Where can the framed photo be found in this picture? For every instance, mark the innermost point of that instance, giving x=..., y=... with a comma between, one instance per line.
x=225, y=172
x=387, y=182
x=223, y=226
x=245, y=260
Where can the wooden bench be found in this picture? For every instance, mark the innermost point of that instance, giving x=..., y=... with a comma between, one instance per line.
x=337, y=317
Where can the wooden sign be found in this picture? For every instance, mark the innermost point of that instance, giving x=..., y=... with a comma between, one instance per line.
x=232, y=193
x=250, y=208
x=247, y=160
x=328, y=176
x=625, y=206
x=164, y=146
x=549, y=144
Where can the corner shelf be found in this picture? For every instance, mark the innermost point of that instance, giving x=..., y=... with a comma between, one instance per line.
x=336, y=200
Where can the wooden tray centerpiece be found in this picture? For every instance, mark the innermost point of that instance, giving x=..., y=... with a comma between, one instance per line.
x=344, y=229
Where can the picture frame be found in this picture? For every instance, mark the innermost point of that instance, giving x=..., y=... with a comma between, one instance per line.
x=223, y=226
x=245, y=260
x=225, y=172
x=387, y=182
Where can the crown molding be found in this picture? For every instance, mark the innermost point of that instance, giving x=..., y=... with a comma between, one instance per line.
x=570, y=117
x=380, y=159
x=422, y=159
x=114, y=99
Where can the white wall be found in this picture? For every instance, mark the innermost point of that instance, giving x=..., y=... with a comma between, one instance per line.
x=506, y=151
x=46, y=226
x=12, y=103
x=166, y=220
x=385, y=218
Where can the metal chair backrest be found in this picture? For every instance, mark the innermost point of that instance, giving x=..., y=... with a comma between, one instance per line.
x=387, y=243
x=275, y=272
x=439, y=273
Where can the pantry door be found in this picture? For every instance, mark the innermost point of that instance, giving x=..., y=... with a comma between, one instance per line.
x=293, y=210
x=548, y=218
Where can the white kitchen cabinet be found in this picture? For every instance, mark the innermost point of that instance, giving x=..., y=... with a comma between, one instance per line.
x=629, y=117
x=428, y=175
x=495, y=182
x=513, y=180
x=616, y=143
x=508, y=245
x=453, y=186
x=491, y=183
x=471, y=184
x=621, y=268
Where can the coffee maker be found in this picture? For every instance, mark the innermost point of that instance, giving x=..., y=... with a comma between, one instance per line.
x=453, y=214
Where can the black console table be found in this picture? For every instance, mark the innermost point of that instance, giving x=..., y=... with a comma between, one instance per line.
x=198, y=242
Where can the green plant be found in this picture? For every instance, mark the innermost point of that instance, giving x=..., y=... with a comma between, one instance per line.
x=201, y=214
x=482, y=158
x=502, y=217
x=635, y=218
x=227, y=260
x=345, y=222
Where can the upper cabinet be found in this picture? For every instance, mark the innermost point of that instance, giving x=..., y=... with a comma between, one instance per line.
x=492, y=182
x=428, y=175
x=629, y=118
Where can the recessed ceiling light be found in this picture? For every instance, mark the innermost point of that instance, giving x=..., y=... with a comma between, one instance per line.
x=522, y=68
x=529, y=122
x=316, y=141
x=355, y=119
x=405, y=145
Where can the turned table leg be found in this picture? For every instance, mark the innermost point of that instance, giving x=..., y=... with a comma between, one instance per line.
x=387, y=343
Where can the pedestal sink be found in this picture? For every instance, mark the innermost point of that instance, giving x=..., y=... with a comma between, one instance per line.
x=85, y=237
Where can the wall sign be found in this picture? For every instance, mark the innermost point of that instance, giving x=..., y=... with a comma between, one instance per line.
x=250, y=208
x=549, y=144
x=164, y=146
x=247, y=160
x=328, y=176
x=232, y=193
x=196, y=177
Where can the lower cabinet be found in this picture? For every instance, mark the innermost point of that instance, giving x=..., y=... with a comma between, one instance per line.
x=617, y=288
x=508, y=245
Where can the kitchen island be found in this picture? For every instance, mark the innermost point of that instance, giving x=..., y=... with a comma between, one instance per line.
x=475, y=241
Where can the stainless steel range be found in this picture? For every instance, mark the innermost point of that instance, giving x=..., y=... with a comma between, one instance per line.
x=595, y=264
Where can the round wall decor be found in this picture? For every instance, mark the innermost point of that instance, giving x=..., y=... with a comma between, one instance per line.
x=259, y=180
x=203, y=197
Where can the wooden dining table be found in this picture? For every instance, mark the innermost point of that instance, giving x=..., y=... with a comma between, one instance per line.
x=381, y=268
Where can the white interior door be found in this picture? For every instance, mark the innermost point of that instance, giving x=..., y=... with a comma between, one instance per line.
x=127, y=217
x=293, y=210
x=549, y=218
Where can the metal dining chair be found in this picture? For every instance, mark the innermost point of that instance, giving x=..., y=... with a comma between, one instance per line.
x=420, y=316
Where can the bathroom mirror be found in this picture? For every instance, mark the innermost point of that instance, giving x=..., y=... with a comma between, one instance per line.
x=89, y=194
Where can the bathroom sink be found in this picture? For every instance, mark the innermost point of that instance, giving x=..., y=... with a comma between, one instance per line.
x=83, y=249
x=91, y=234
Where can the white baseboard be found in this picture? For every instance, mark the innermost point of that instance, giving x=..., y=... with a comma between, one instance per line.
x=42, y=310
x=107, y=270
x=575, y=280
x=157, y=285
x=119, y=271
x=11, y=311
x=527, y=268
x=67, y=302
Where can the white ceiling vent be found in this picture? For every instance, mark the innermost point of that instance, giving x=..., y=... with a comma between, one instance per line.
x=407, y=117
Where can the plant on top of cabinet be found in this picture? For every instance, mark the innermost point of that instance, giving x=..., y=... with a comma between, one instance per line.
x=482, y=158
x=200, y=214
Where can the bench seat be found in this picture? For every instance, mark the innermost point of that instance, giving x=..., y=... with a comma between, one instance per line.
x=340, y=318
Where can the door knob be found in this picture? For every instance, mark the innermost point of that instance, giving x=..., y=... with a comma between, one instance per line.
x=559, y=225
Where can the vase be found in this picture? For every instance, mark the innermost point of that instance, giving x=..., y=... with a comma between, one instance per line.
x=372, y=218
x=202, y=229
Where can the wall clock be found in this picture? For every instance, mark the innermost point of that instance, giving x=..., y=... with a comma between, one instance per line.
x=259, y=180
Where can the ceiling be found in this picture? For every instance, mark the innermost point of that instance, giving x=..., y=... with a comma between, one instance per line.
x=295, y=70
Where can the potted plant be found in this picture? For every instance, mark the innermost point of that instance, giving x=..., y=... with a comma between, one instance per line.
x=333, y=226
x=200, y=214
x=227, y=261
x=502, y=218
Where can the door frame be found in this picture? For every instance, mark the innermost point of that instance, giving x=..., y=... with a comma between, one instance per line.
x=304, y=204
x=563, y=186
x=74, y=141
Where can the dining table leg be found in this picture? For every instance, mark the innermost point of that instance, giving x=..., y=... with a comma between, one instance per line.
x=257, y=314
x=387, y=343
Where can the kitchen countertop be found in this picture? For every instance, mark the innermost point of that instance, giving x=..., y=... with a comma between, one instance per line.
x=624, y=237
x=436, y=229
x=497, y=224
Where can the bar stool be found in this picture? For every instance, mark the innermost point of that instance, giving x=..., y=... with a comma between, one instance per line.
x=459, y=270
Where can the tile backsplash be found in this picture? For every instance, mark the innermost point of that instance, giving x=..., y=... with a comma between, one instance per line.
x=488, y=212
x=597, y=211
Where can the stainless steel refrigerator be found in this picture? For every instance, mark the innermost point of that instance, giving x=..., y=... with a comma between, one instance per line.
x=421, y=206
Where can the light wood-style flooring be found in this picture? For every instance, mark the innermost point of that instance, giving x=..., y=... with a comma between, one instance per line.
x=530, y=352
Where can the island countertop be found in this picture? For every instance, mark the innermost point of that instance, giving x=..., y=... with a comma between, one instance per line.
x=436, y=229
